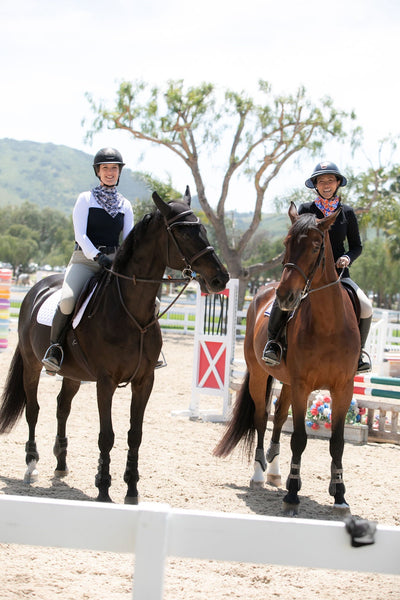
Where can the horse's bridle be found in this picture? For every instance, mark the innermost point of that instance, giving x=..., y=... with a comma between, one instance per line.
x=187, y=271
x=174, y=222
x=308, y=279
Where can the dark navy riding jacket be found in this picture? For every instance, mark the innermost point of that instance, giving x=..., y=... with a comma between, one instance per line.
x=344, y=232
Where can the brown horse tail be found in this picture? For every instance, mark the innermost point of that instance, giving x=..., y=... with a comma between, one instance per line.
x=13, y=400
x=241, y=427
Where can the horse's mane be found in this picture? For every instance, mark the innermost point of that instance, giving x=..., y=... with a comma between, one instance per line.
x=133, y=240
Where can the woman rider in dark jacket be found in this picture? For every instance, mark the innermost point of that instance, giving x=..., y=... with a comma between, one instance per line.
x=325, y=181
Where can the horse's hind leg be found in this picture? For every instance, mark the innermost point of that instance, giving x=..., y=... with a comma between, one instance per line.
x=31, y=382
x=260, y=391
x=281, y=412
x=64, y=399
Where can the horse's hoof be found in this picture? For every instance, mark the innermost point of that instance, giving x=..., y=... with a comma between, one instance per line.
x=134, y=500
x=341, y=509
x=290, y=510
x=275, y=480
x=60, y=474
x=31, y=477
x=256, y=485
x=104, y=498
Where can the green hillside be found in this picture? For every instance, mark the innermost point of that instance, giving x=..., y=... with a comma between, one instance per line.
x=50, y=175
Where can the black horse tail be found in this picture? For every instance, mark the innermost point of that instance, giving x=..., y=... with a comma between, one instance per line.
x=241, y=427
x=13, y=400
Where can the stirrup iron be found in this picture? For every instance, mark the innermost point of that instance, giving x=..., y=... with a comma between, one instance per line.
x=48, y=363
x=269, y=361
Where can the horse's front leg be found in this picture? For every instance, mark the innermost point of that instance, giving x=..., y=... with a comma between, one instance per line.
x=105, y=391
x=298, y=442
x=340, y=405
x=281, y=412
x=64, y=399
x=140, y=396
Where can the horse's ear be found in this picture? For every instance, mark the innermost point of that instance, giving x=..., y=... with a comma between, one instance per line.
x=161, y=205
x=328, y=221
x=292, y=212
x=187, y=197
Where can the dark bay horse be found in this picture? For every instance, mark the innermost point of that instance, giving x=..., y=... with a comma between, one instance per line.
x=323, y=346
x=118, y=342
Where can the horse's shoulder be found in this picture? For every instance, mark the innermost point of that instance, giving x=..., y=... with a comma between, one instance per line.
x=265, y=293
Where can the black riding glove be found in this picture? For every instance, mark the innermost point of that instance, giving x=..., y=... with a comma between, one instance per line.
x=103, y=260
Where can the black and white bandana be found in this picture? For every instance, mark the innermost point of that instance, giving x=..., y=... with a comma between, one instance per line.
x=108, y=198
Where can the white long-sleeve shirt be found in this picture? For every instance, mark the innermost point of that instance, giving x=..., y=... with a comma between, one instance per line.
x=94, y=227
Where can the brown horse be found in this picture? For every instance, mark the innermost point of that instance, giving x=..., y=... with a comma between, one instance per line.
x=323, y=346
x=119, y=340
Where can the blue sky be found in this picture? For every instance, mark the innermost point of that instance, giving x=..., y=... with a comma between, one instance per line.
x=54, y=52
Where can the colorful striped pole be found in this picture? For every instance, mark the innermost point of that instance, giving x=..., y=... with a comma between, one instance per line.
x=377, y=392
x=5, y=292
x=394, y=381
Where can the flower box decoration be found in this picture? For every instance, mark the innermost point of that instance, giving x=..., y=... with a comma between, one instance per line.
x=319, y=419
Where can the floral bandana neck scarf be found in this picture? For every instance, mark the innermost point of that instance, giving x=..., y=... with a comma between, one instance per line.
x=108, y=198
x=327, y=206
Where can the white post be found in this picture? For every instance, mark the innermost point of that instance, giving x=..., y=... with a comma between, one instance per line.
x=151, y=551
x=214, y=350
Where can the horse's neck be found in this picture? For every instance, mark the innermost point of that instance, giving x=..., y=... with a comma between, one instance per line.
x=142, y=278
x=327, y=299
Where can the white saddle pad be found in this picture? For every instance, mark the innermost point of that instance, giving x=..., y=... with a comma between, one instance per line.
x=46, y=311
x=267, y=311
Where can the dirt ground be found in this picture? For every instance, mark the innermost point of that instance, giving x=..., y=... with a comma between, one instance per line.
x=177, y=467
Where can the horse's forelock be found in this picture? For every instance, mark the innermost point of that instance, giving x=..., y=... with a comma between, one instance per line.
x=302, y=225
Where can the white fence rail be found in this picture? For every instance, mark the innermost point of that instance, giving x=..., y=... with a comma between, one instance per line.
x=155, y=531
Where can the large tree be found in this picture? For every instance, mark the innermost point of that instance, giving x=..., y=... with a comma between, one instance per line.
x=259, y=137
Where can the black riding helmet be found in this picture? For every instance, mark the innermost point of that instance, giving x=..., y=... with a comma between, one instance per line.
x=107, y=155
x=325, y=168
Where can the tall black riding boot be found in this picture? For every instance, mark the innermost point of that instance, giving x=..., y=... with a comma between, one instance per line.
x=272, y=353
x=364, y=362
x=55, y=354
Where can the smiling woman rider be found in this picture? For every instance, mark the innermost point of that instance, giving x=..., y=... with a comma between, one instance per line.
x=326, y=181
x=102, y=218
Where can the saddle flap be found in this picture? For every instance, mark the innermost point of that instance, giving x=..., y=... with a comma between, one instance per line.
x=354, y=299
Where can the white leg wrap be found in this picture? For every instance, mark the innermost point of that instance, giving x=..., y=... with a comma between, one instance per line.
x=258, y=476
x=273, y=467
x=31, y=473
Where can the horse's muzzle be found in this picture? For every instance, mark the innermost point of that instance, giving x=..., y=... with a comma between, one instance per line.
x=216, y=284
x=288, y=300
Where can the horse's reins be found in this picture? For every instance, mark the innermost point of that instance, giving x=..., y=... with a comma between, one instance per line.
x=187, y=272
